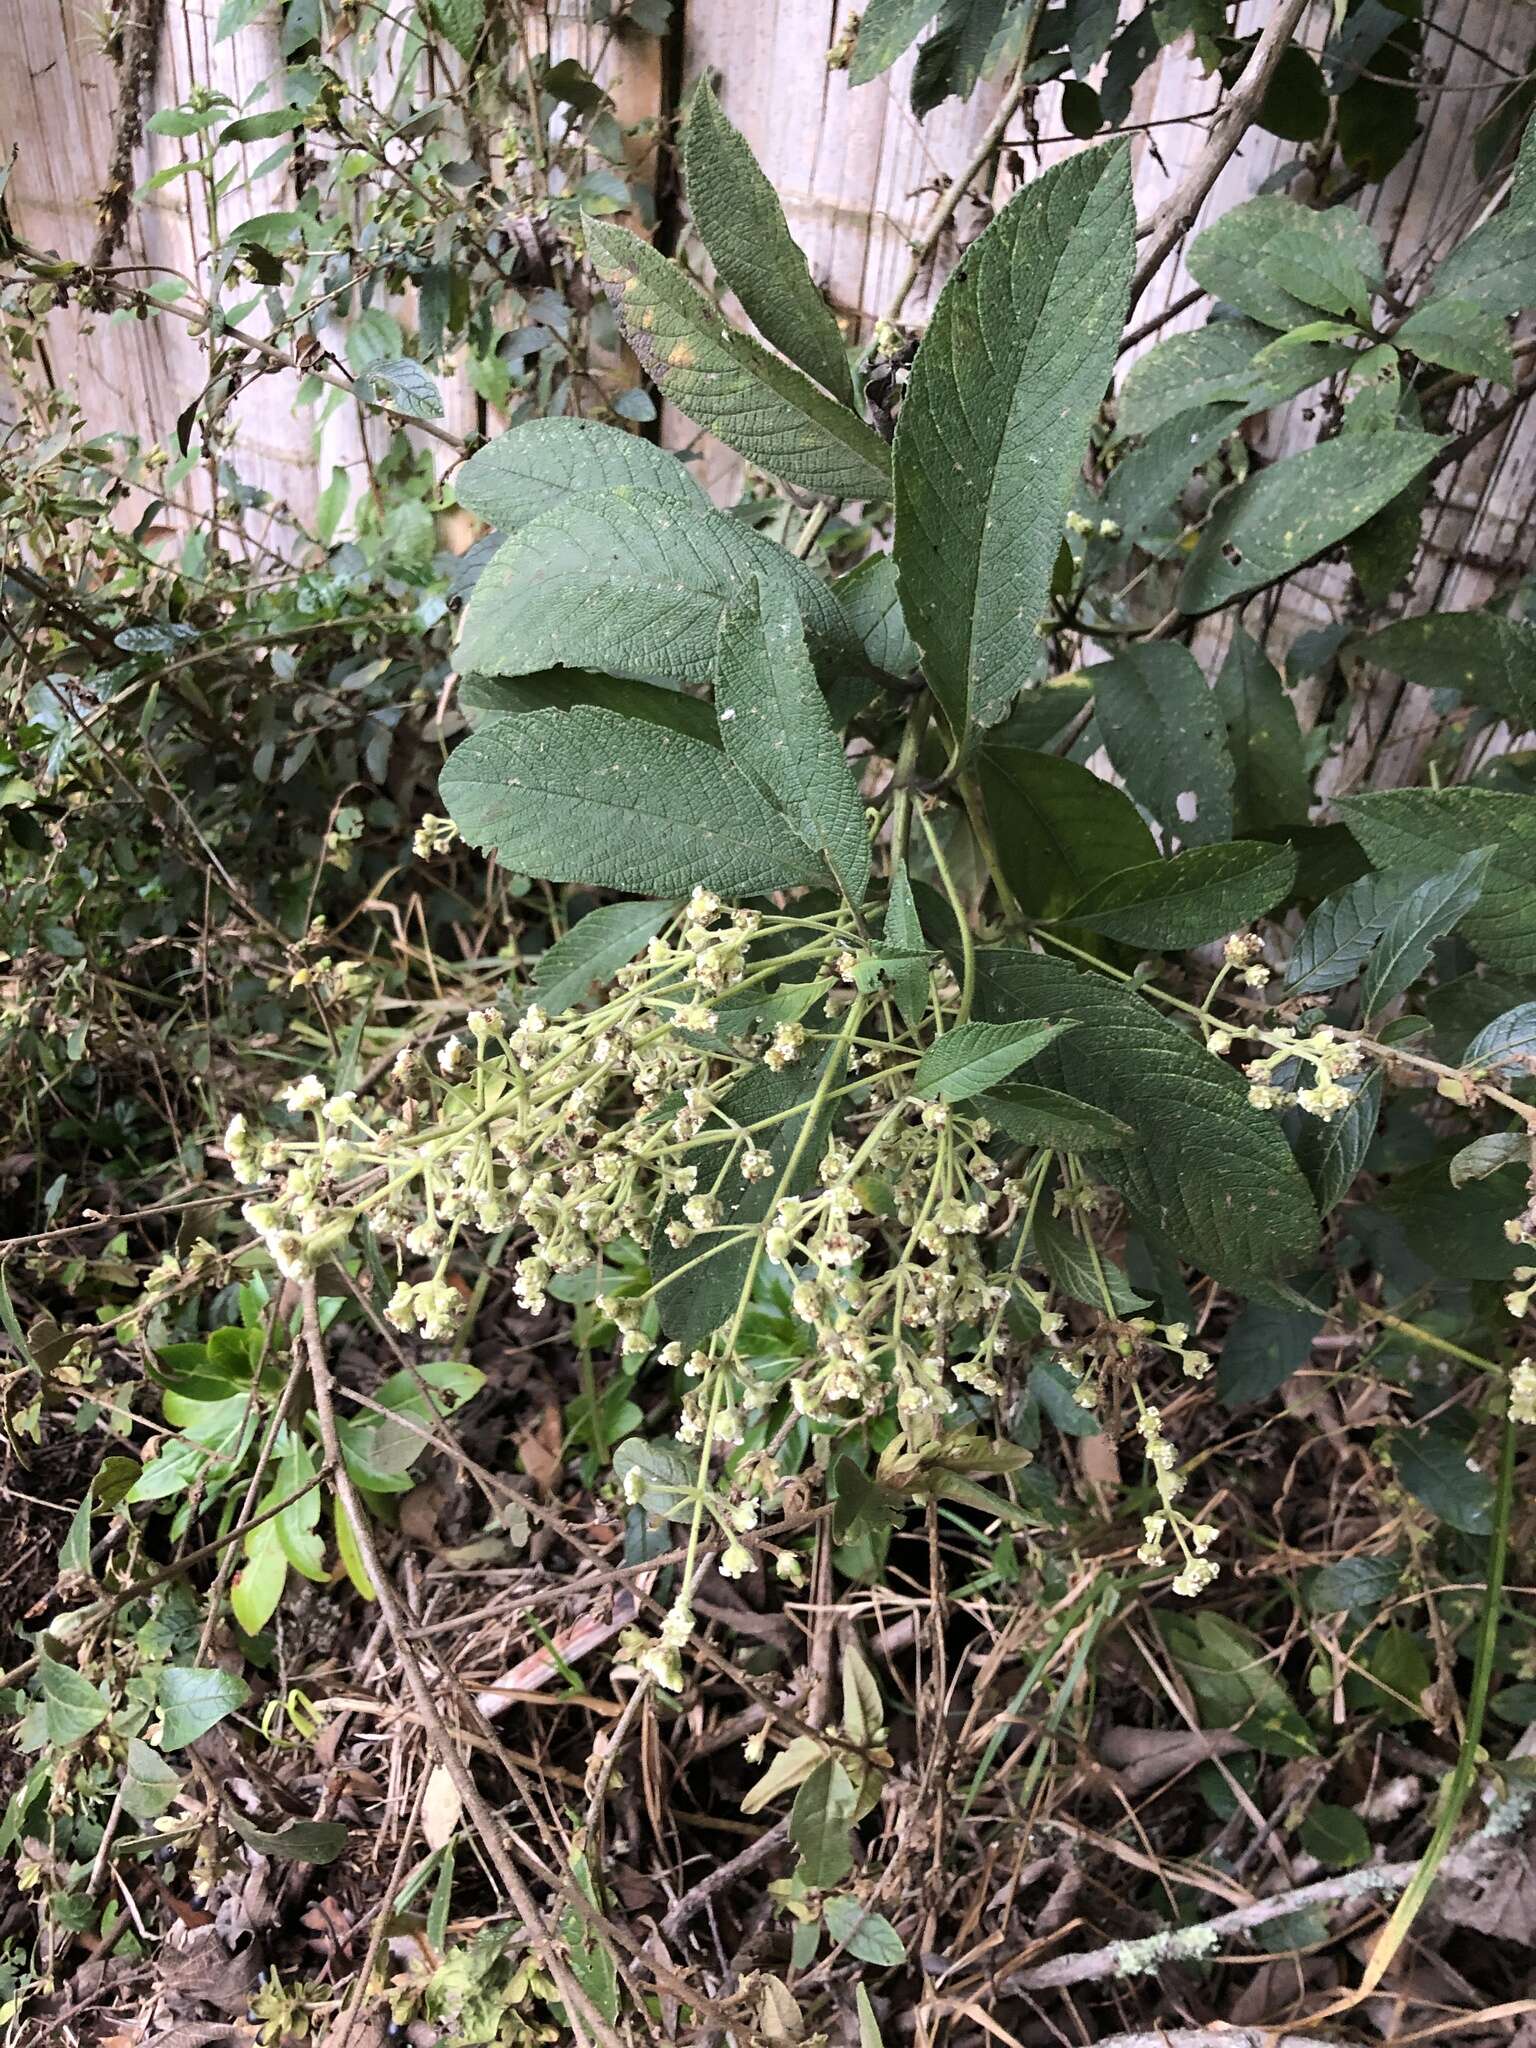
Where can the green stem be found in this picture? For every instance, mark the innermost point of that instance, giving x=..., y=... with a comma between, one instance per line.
x=976, y=811
x=962, y=918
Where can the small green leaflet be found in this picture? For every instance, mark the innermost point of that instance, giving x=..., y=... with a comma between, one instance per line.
x=1484, y=657
x=1423, y=827
x=594, y=950
x=1280, y=262
x=1163, y=730
x=666, y=1477
x=462, y=22
x=72, y=1706
x=1487, y=1155
x=403, y=386
x=1074, y=1271
x=869, y=599
x=868, y=1936
x=194, y=1699
x=1059, y=828
x=1044, y=1116
x=583, y=796
x=1296, y=509
x=1004, y=390
x=1235, y=1684
x=741, y=223
x=149, y=1783
x=1202, y=894
x=535, y=467
x=1353, y=1583
x=1340, y=935
x=820, y=1824
x=760, y=405
x=1331, y=1154
x=776, y=729
x=959, y=50
x=1263, y=1346
x=975, y=1057
x=300, y=1841
x=1506, y=1048
x=631, y=585
x=1436, y=907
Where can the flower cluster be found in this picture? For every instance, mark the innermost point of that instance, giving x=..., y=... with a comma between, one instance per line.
x=1303, y=1070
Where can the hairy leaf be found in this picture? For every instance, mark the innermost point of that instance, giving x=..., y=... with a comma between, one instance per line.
x=1402, y=826
x=1459, y=335
x=1505, y=1048
x=594, y=950
x=1199, y=895
x=1331, y=1154
x=886, y=28
x=1436, y=906
x=1341, y=934
x=763, y=407
x=555, y=689
x=907, y=969
x=1004, y=390
x=1044, y=1116
x=776, y=729
x=742, y=225
x=1164, y=732
x=584, y=796
x=533, y=468
x=1296, y=509
x=870, y=602
x=1059, y=828
x=974, y=1057
x=820, y=1825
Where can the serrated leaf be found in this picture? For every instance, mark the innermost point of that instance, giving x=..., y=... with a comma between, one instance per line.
x=1271, y=789
x=556, y=689
x=1164, y=732
x=886, y=28
x=194, y=1699
x=402, y=384
x=907, y=968
x=535, y=467
x=1331, y=1154
x=960, y=49
x=462, y=22
x=974, y=1057
x=631, y=585
x=1213, y=1174
x=1296, y=509
x=870, y=601
x=1055, y=1390
x=742, y=225
x=1484, y=657
x=1228, y=363
x=1265, y=254
x=1504, y=1048
x=1059, y=828
x=149, y=1784
x=1199, y=895
x=1434, y=1466
x=72, y=1706
x=820, y=1824
x=1399, y=827
x=1003, y=392
x=868, y=1936
x=1487, y=1155
x=776, y=730
x=594, y=950
x=1435, y=907
x=729, y=384
x=583, y=796
x=1457, y=334
x=1044, y=1116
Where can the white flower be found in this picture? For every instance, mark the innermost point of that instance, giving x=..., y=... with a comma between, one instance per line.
x=304, y=1095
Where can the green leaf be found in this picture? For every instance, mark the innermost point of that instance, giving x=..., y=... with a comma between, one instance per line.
x=820, y=1824
x=593, y=950
x=1263, y=1346
x=1053, y=1387
x=729, y=384
x=1228, y=363
x=631, y=585
x=257, y=1587
x=72, y=1706
x=776, y=730
x=1399, y=827
x=557, y=688
x=666, y=1476
x=868, y=1936
x=404, y=386
x=301, y=1841
x=1353, y=1583
x=592, y=1961
x=540, y=465
x=1163, y=730
x=1199, y=895
x=1457, y=334
x=1004, y=390
x=1296, y=509
x=194, y=1699
x=958, y=52
x=1280, y=262
x=149, y=1783
x=975, y=1057
x=872, y=606
x=1335, y=1836
x=907, y=969
x=869, y=2026
x=886, y=28
x=1331, y=1154
x=1485, y=658
x=1495, y=266
x=1235, y=1685
x=1044, y=1116
x=1271, y=790
x=1341, y=934
x=462, y=22
x=1059, y=828
x=742, y=225
x=583, y=796
x=1099, y=1284
x=1436, y=907
x=1487, y=1155
x=1400, y=1668
x=1432, y=1463
x=1506, y=1048
x=1213, y=1174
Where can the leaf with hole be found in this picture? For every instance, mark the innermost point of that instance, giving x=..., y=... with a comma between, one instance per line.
x=1164, y=732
